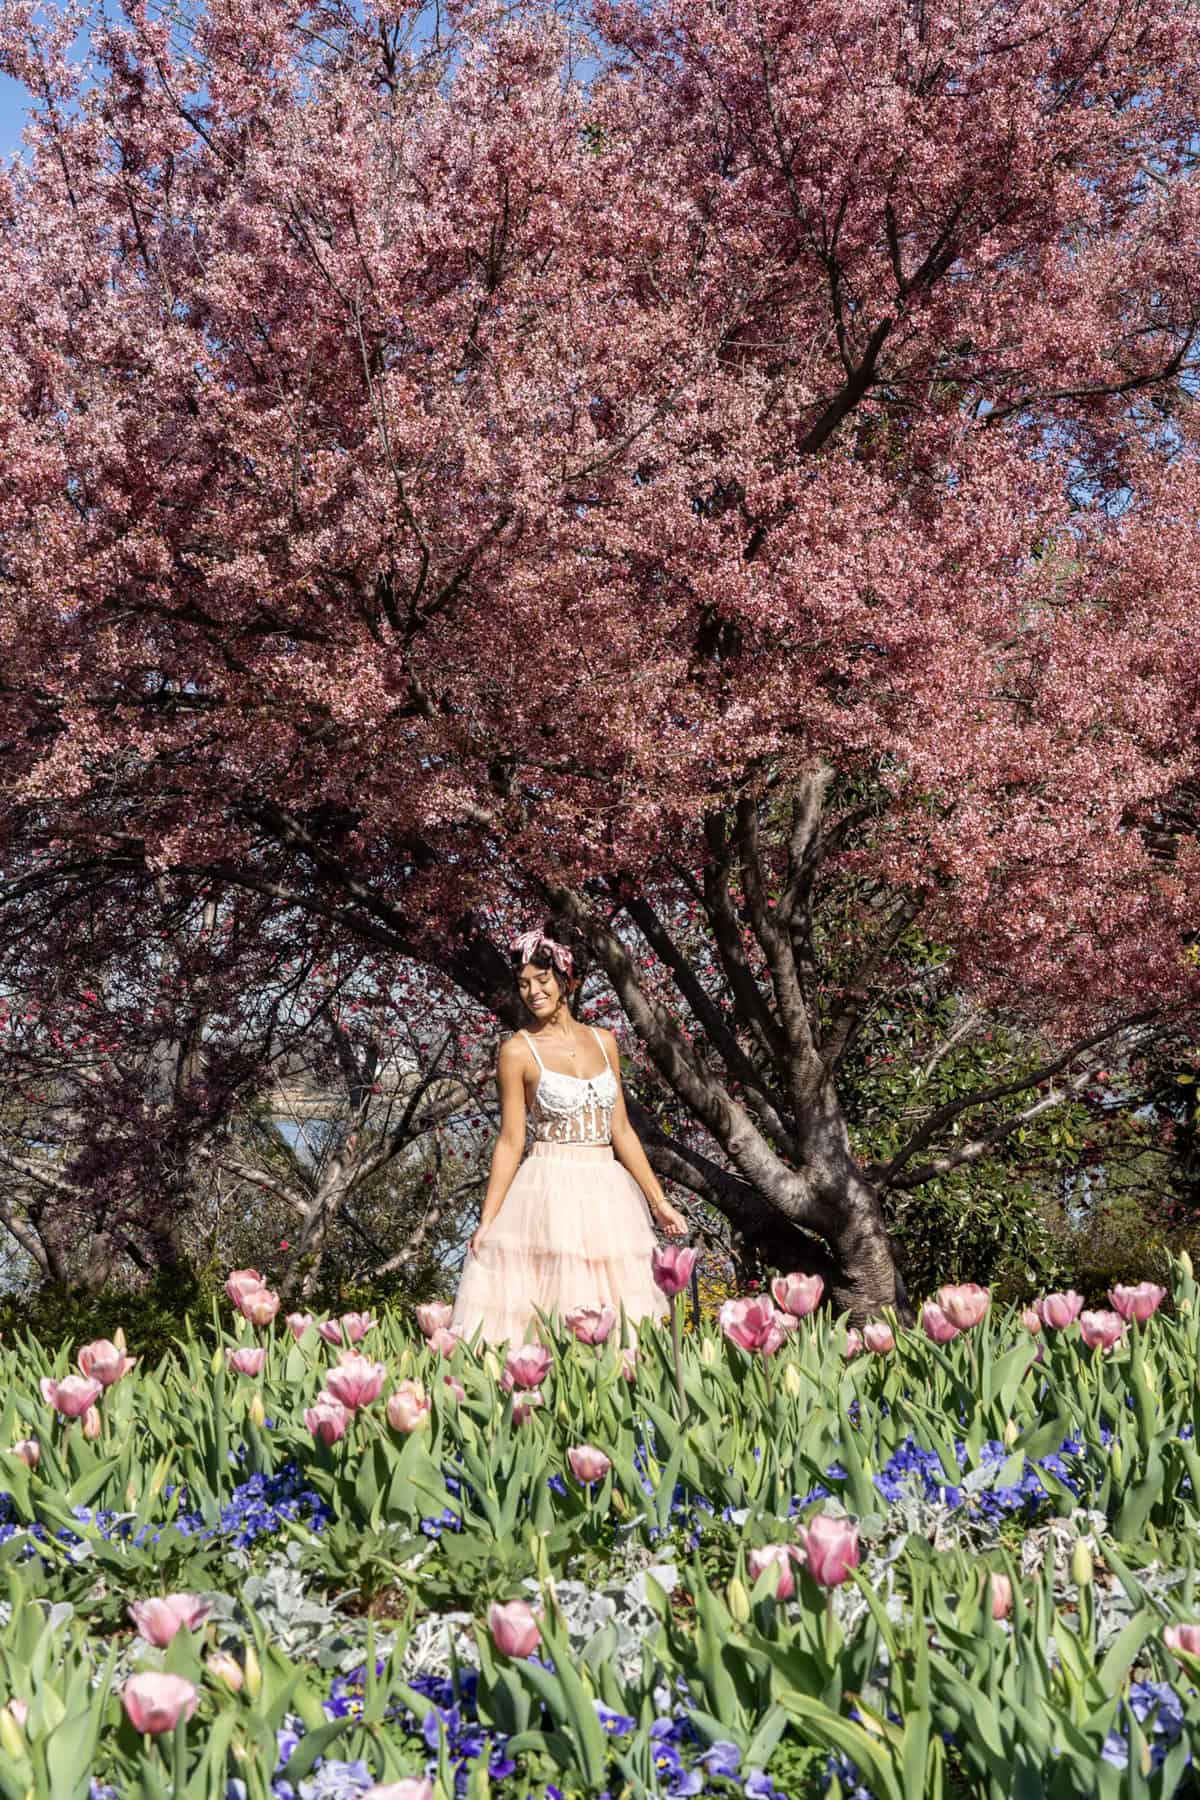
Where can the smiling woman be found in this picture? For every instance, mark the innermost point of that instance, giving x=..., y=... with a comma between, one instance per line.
x=572, y=1225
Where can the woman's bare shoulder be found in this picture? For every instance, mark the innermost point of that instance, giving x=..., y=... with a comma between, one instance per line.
x=514, y=1048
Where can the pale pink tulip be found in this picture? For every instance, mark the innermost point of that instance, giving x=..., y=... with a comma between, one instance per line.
x=783, y=1556
x=965, y=1304
x=591, y=1324
x=797, y=1295
x=752, y=1324
x=1001, y=1593
x=1059, y=1310
x=158, y=1620
x=456, y=1387
x=226, y=1669
x=351, y=1328
x=1101, y=1330
x=671, y=1266
x=240, y=1282
x=514, y=1628
x=629, y=1362
x=435, y=1316
x=92, y=1425
x=445, y=1340
x=1137, y=1302
x=28, y=1451
x=528, y=1365
x=410, y=1788
x=72, y=1395
x=935, y=1324
x=103, y=1362
x=409, y=1407
x=246, y=1361
x=524, y=1403
x=259, y=1305
x=830, y=1548
x=878, y=1336
x=327, y=1419
x=1182, y=1637
x=356, y=1380
x=1031, y=1320
x=298, y=1323
x=587, y=1463
x=155, y=1703
x=854, y=1344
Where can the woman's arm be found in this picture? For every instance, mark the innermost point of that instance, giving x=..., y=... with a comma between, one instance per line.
x=627, y=1148
x=510, y=1141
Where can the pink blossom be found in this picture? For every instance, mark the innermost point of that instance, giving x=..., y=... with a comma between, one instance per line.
x=436, y=1315
x=1138, y=1302
x=935, y=1324
x=410, y=1787
x=830, y=1547
x=1031, y=1320
x=1059, y=1310
x=92, y=1424
x=629, y=1362
x=158, y=1620
x=72, y=1395
x=355, y=1381
x=854, y=1344
x=783, y=1556
x=514, y=1628
x=408, y=1408
x=28, y=1451
x=753, y=1324
x=524, y=1403
x=964, y=1304
x=1182, y=1637
x=327, y=1418
x=797, y=1295
x=351, y=1328
x=259, y=1305
x=155, y=1703
x=456, y=1387
x=1001, y=1594
x=591, y=1324
x=445, y=1340
x=246, y=1361
x=671, y=1266
x=587, y=1463
x=225, y=1668
x=298, y=1323
x=878, y=1336
x=1101, y=1330
x=103, y=1362
x=528, y=1365
x=242, y=1281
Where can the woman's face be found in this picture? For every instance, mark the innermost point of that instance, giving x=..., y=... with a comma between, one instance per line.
x=539, y=990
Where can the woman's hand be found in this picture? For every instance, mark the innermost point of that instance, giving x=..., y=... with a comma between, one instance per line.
x=477, y=1238
x=671, y=1220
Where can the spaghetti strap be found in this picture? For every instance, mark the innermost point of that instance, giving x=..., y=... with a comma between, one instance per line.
x=600, y=1041
x=534, y=1048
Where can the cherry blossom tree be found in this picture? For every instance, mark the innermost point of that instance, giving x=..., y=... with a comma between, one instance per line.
x=433, y=484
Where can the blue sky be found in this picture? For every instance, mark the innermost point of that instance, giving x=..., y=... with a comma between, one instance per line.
x=12, y=115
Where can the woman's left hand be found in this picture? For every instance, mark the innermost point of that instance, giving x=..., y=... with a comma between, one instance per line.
x=671, y=1220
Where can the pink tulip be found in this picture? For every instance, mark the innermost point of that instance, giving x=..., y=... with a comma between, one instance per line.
x=92, y=1424
x=797, y=1295
x=783, y=1556
x=225, y=1668
x=1059, y=1310
x=964, y=1304
x=671, y=1266
x=72, y=1395
x=103, y=1362
x=158, y=1620
x=1031, y=1320
x=935, y=1324
x=1000, y=1589
x=259, y=1305
x=1101, y=1330
x=409, y=1407
x=156, y=1703
x=524, y=1403
x=327, y=1419
x=298, y=1324
x=1137, y=1302
x=28, y=1451
x=445, y=1340
x=356, y=1380
x=830, y=1549
x=1182, y=1637
x=410, y=1788
x=435, y=1316
x=629, y=1361
x=591, y=1324
x=456, y=1387
x=351, y=1328
x=587, y=1463
x=240, y=1282
x=854, y=1344
x=514, y=1628
x=246, y=1361
x=877, y=1336
x=528, y=1365
x=753, y=1324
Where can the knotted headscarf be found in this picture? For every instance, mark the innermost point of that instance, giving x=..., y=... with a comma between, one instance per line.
x=530, y=942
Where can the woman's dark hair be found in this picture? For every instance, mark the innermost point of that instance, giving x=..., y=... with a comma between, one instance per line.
x=571, y=940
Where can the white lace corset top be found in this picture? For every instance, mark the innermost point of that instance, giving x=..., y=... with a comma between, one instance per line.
x=573, y=1109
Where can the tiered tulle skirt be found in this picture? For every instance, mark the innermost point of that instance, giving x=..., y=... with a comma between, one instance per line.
x=574, y=1230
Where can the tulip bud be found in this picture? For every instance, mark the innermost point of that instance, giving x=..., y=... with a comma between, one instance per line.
x=491, y=1365
x=225, y=1668
x=1001, y=1595
x=258, y=1412
x=1011, y=1433
x=1185, y=1263
x=252, y=1673
x=793, y=1381
x=1081, y=1564
x=28, y=1451
x=118, y=1338
x=91, y=1424
x=12, y=1738
x=1115, y=1459
x=708, y=1352
x=738, y=1600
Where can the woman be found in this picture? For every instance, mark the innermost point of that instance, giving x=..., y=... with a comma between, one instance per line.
x=571, y=1224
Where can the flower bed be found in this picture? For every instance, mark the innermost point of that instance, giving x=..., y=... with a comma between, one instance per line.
x=325, y=1558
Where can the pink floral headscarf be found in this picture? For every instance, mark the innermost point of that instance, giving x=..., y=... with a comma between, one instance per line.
x=530, y=942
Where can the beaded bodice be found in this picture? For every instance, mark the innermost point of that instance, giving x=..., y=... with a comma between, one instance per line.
x=573, y=1109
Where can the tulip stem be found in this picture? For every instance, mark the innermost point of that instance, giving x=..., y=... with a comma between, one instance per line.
x=768, y=1379
x=677, y=1352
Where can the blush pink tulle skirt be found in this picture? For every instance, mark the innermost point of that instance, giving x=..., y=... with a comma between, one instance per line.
x=574, y=1230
